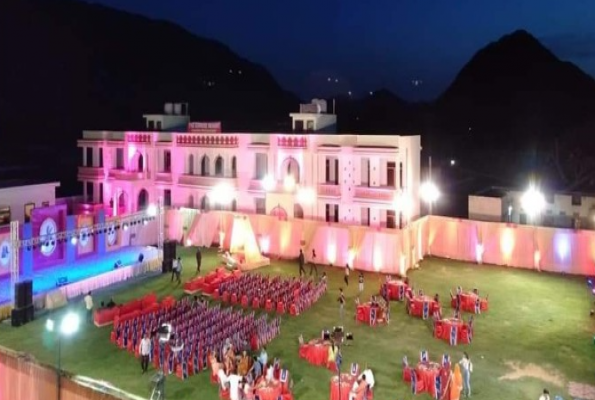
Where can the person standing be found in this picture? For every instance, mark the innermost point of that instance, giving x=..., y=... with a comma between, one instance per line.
x=301, y=263
x=467, y=369
x=179, y=271
x=313, y=266
x=89, y=306
x=174, y=268
x=545, y=395
x=198, y=260
x=361, y=282
x=145, y=350
x=234, y=386
x=346, y=277
x=341, y=301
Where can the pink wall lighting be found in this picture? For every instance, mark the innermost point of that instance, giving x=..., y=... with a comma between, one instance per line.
x=377, y=258
x=537, y=259
x=265, y=244
x=479, y=253
x=507, y=244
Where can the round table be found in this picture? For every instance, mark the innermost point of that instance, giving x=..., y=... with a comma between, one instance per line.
x=315, y=352
x=394, y=291
x=346, y=385
x=446, y=327
x=416, y=307
x=268, y=391
x=363, y=313
x=427, y=372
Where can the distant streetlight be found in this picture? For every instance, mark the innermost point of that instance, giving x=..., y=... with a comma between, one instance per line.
x=533, y=202
x=68, y=326
x=429, y=193
x=453, y=162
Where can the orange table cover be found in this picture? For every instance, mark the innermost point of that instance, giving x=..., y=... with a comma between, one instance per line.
x=315, y=352
x=346, y=385
x=393, y=289
x=418, y=305
x=269, y=391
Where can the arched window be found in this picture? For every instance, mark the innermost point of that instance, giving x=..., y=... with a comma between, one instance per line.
x=191, y=164
x=298, y=211
x=234, y=171
x=234, y=205
x=143, y=200
x=190, y=201
x=219, y=166
x=204, y=203
x=291, y=168
x=204, y=166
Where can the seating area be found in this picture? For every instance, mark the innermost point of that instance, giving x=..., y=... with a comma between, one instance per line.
x=197, y=330
x=428, y=376
x=354, y=385
x=276, y=294
x=209, y=283
x=108, y=315
x=469, y=301
x=454, y=330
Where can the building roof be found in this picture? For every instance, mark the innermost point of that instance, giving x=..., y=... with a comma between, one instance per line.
x=13, y=183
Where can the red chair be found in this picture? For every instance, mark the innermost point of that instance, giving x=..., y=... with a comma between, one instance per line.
x=293, y=310
x=280, y=308
x=216, y=295
x=269, y=305
x=234, y=299
x=256, y=303
x=244, y=301
x=438, y=329
x=225, y=297
x=407, y=374
x=464, y=335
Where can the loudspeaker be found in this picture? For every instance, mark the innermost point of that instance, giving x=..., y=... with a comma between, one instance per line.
x=23, y=292
x=21, y=316
x=169, y=250
x=167, y=266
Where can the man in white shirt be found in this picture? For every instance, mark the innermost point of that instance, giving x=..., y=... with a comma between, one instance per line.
x=144, y=350
x=174, y=268
x=369, y=377
x=545, y=395
x=179, y=271
x=222, y=378
x=234, y=386
x=89, y=306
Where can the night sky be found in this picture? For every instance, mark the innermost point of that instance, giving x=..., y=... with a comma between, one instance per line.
x=361, y=47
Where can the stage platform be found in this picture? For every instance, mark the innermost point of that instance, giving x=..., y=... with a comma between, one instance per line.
x=44, y=280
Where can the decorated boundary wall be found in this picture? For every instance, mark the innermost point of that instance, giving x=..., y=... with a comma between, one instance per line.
x=23, y=378
x=395, y=251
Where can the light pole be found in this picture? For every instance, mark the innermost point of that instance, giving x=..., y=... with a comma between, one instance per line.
x=69, y=325
x=429, y=193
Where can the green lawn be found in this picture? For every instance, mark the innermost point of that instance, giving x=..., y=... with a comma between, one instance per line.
x=534, y=318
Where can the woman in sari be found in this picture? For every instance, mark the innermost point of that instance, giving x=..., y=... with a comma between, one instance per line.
x=456, y=385
x=331, y=362
x=244, y=364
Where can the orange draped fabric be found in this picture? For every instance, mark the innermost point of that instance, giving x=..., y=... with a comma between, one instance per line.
x=456, y=385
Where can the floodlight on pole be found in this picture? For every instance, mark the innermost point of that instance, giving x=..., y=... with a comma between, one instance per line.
x=69, y=325
x=429, y=193
x=152, y=210
x=533, y=201
x=268, y=183
x=306, y=196
x=223, y=194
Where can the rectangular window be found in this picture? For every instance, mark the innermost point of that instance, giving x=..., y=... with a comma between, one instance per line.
x=401, y=175
x=101, y=193
x=261, y=165
x=391, y=219
x=576, y=200
x=28, y=209
x=167, y=161
x=119, y=158
x=89, y=157
x=327, y=213
x=390, y=174
x=261, y=207
x=90, y=194
x=365, y=216
x=167, y=198
x=100, y=157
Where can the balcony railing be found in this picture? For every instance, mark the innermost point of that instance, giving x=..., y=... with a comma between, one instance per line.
x=206, y=181
x=164, y=177
x=129, y=175
x=382, y=194
x=205, y=140
x=329, y=190
x=90, y=172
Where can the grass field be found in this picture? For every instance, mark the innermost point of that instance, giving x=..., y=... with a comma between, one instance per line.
x=539, y=321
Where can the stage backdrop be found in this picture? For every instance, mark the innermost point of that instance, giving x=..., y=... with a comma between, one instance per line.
x=5, y=249
x=47, y=222
x=112, y=236
x=86, y=241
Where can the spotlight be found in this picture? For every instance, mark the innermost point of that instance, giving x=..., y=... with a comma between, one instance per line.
x=73, y=240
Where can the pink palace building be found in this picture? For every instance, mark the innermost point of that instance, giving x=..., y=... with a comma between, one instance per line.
x=312, y=172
